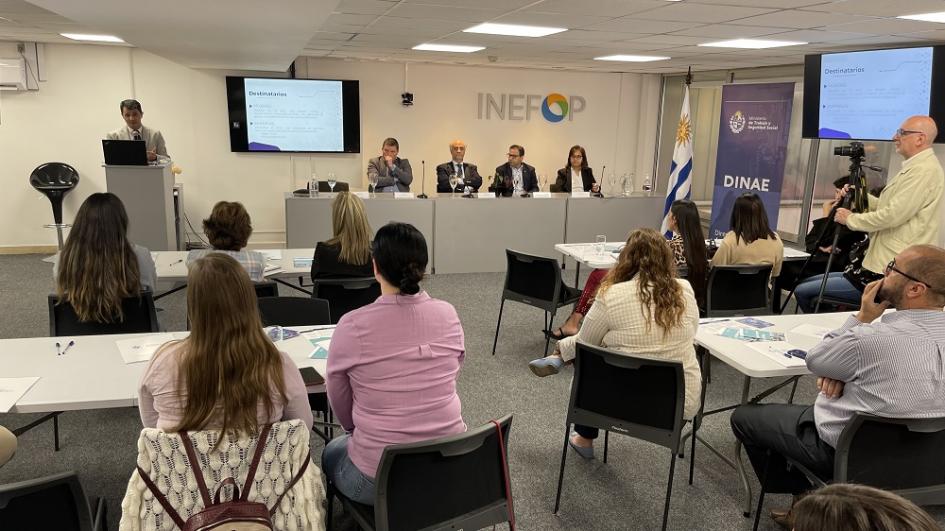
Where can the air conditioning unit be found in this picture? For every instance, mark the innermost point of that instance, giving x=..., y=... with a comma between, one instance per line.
x=12, y=74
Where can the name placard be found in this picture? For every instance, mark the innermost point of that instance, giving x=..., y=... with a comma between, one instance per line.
x=403, y=195
x=541, y=195
x=485, y=195
x=577, y=195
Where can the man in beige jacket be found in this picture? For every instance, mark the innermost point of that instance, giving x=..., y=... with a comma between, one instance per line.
x=905, y=213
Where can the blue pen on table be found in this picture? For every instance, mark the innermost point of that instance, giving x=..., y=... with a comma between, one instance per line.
x=177, y=262
x=71, y=343
x=796, y=353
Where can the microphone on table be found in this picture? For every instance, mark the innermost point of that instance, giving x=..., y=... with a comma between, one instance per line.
x=423, y=180
x=603, y=175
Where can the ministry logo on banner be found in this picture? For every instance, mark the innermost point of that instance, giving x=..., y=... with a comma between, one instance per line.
x=753, y=137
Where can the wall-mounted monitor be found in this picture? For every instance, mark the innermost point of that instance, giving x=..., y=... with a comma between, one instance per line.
x=866, y=95
x=293, y=115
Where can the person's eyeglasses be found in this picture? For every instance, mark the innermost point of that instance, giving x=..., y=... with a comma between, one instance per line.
x=905, y=132
x=891, y=266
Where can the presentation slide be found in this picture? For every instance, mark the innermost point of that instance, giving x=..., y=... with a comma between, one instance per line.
x=866, y=95
x=294, y=115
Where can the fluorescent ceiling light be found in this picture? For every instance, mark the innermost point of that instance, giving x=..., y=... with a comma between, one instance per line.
x=93, y=38
x=514, y=30
x=458, y=48
x=927, y=17
x=754, y=44
x=632, y=58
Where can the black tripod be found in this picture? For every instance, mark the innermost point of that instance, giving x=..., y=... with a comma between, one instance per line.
x=856, y=153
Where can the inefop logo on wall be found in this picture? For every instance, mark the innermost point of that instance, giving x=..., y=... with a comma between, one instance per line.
x=554, y=107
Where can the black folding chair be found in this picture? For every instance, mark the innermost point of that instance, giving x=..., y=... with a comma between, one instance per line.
x=139, y=316
x=641, y=398
x=738, y=290
x=456, y=482
x=293, y=311
x=901, y=455
x=52, y=502
x=346, y=294
x=535, y=281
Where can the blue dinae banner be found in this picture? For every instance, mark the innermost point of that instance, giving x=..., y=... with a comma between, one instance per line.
x=753, y=138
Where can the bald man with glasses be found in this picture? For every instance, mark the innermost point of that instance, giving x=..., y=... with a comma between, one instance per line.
x=905, y=213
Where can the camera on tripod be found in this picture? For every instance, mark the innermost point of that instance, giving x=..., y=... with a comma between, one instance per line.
x=854, y=150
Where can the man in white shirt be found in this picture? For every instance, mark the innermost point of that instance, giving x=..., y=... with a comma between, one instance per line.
x=467, y=175
x=135, y=130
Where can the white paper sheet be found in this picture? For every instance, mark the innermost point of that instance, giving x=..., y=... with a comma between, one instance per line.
x=776, y=350
x=272, y=255
x=138, y=349
x=12, y=389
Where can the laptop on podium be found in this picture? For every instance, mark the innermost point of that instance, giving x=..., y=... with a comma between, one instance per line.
x=125, y=152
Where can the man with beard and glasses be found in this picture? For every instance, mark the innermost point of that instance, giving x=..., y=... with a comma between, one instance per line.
x=889, y=365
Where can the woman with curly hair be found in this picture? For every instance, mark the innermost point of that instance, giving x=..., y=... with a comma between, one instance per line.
x=642, y=309
x=228, y=230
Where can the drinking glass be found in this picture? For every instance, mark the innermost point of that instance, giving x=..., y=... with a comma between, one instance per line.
x=453, y=181
x=372, y=181
x=544, y=182
x=313, y=185
x=332, y=182
x=600, y=241
x=612, y=179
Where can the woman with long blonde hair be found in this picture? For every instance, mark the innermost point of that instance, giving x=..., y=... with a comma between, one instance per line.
x=643, y=309
x=348, y=252
x=98, y=266
x=227, y=374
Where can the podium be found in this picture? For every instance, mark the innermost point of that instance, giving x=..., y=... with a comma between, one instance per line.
x=148, y=195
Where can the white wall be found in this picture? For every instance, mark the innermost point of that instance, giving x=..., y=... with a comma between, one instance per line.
x=68, y=116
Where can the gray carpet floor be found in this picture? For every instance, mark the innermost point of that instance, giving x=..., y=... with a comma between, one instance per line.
x=626, y=493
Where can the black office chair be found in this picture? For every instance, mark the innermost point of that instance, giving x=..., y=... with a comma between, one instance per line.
x=55, y=179
x=738, y=290
x=642, y=398
x=293, y=311
x=535, y=281
x=52, y=502
x=456, y=482
x=139, y=316
x=900, y=455
x=346, y=294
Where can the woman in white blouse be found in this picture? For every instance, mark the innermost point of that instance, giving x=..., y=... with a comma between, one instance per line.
x=642, y=309
x=576, y=176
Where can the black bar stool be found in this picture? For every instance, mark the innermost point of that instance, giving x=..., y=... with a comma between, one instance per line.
x=55, y=179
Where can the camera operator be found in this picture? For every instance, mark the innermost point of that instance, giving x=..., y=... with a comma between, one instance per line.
x=904, y=214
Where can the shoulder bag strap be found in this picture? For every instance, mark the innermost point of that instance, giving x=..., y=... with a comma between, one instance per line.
x=251, y=473
x=195, y=467
x=298, y=476
x=505, y=474
x=162, y=499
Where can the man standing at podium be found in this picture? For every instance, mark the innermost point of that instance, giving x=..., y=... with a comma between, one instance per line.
x=135, y=130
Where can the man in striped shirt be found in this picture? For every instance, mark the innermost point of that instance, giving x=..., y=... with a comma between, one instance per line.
x=893, y=367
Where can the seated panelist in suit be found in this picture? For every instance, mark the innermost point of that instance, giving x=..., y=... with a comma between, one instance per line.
x=466, y=173
x=576, y=175
x=134, y=130
x=515, y=175
x=393, y=173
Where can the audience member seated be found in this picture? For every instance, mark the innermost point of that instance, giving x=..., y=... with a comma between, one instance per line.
x=228, y=230
x=227, y=374
x=849, y=507
x=687, y=241
x=7, y=445
x=98, y=266
x=818, y=243
x=890, y=368
x=468, y=179
x=642, y=309
x=576, y=175
x=392, y=367
x=348, y=252
x=750, y=240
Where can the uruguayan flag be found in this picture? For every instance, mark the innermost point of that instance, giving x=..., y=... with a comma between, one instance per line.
x=680, y=172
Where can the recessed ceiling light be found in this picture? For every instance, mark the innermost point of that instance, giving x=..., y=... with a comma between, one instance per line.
x=514, y=30
x=458, y=48
x=927, y=17
x=754, y=44
x=632, y=58
x=93, y=38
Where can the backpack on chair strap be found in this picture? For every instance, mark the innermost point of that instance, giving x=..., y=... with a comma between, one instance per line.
x=235, y=514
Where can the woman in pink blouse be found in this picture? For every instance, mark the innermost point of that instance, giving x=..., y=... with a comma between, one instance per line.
x=392, y=367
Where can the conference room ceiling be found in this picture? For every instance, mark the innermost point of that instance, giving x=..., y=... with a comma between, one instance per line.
x=247, y=35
